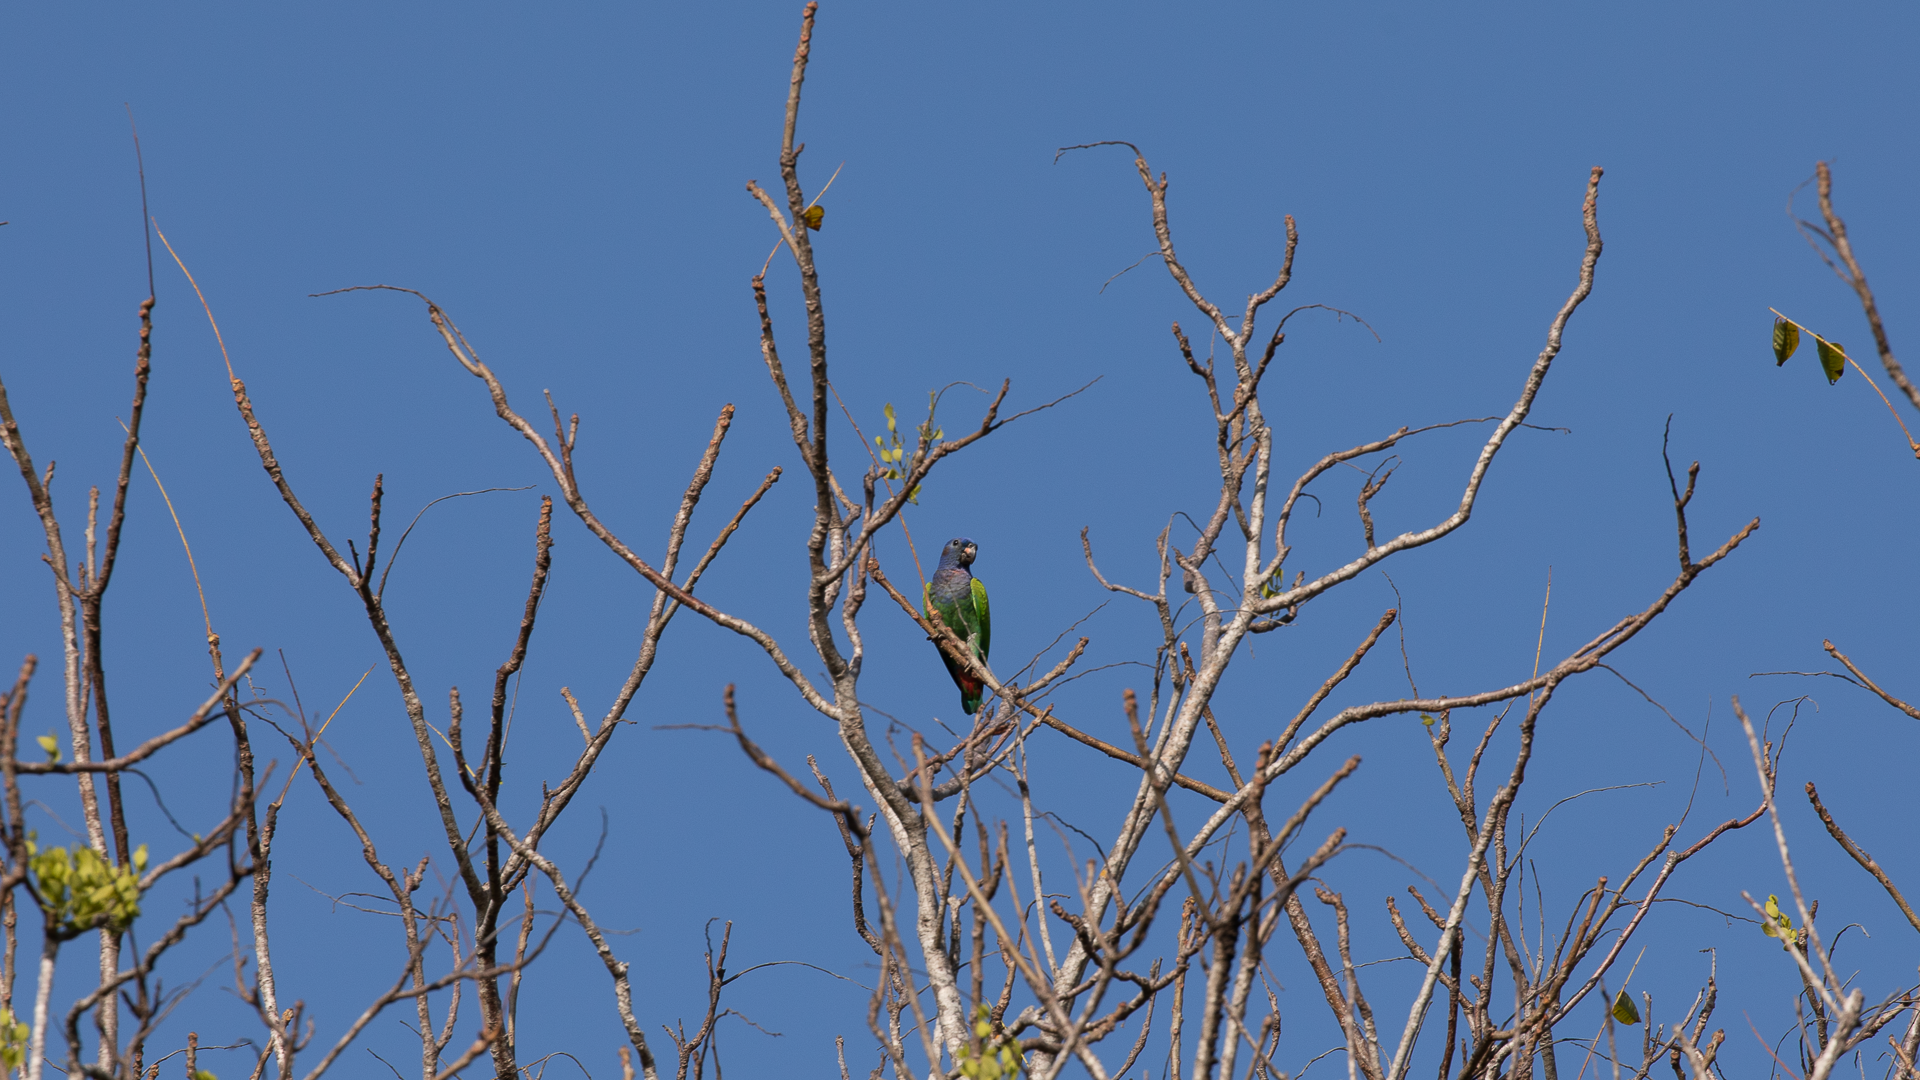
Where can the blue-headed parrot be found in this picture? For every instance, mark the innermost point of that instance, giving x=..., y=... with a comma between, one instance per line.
x=959, y=600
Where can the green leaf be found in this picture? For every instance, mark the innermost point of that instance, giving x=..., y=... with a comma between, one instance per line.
x=51, y=745
x=1786, y=338
x=1623, y=1009
x=1426, y=719
x=1833, y=359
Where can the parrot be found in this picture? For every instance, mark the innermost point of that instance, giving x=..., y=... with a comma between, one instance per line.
x=959, y=600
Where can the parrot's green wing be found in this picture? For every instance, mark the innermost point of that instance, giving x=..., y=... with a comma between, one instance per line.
x=949, y=614
x=985, y=631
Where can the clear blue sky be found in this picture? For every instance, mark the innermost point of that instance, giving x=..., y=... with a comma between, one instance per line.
x=569, y=185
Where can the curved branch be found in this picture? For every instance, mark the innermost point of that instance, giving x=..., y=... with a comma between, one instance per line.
x=1514, y=418
x=560, y=465
x=1869, y=683
x=204, y=715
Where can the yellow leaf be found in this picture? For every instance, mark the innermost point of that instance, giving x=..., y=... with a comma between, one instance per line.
x=813, y=216
x=1779, y=924
x=51, y=745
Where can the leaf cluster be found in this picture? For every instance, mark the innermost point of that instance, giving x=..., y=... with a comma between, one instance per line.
x=892, y=449
x=1779, y=924
x=13, y=1041
x=80, y=891
x=988, y=1056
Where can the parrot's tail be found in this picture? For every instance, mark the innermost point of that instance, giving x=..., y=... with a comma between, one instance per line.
x=971, y=692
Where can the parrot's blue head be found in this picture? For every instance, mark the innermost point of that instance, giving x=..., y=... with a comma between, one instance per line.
x=958, y=552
